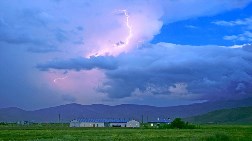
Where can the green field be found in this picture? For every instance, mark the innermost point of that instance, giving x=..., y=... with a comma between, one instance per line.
x=54, y=132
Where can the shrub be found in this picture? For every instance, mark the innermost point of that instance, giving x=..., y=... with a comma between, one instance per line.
x=179, y=123
x=3, y=123
x=164, y=126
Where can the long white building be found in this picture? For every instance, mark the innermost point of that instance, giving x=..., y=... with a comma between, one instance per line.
x=104, y=123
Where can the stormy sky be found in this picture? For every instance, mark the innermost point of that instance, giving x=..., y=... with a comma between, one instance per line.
x=148, y=52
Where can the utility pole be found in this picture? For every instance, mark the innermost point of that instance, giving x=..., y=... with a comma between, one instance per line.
x=142, y=118
x=59, y=118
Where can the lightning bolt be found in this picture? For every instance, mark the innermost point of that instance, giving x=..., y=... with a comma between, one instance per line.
x=127, y=40
x=119, y=46
x=59, y=78
x=128, y=26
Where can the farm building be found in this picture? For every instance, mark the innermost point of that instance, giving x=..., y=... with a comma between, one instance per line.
x=159, y=121
x=104, y=123
x=24, y=122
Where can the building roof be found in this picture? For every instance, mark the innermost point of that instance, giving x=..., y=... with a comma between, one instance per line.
x=102, y=120
x=160, y=120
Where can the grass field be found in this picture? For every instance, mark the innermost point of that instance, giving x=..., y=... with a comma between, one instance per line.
x=55, y=132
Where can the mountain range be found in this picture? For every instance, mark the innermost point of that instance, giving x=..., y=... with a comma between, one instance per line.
x=68, y=112
x=240, y=115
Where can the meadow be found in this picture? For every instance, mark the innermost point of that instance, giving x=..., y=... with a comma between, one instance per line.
x=61, y=132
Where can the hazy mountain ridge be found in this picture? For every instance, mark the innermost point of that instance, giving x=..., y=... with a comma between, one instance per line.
x=71, y=111
x=241, y=115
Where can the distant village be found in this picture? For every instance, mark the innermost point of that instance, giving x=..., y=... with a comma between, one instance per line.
x=114, y=123
x=89, y=122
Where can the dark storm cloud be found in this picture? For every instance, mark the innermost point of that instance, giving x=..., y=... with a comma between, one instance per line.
x=213, y=72
x=30, y=26
x=34, y=32
x=80, y=63
x=17, y=82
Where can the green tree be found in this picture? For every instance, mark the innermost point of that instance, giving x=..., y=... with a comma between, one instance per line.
x=178, y=123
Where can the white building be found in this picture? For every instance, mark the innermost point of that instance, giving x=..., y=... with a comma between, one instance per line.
x=133, y=124
x=104, y=123
x=159, y=121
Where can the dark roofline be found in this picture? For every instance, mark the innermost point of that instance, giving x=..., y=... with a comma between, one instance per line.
x=158, y=121
x=102, y=120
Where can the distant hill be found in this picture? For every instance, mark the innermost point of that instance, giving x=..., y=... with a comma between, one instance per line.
x=241, y=115
x=126, y=111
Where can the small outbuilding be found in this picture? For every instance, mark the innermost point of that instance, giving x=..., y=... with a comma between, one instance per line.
x=159, y=121
x=84, y=122
x=75, y=123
